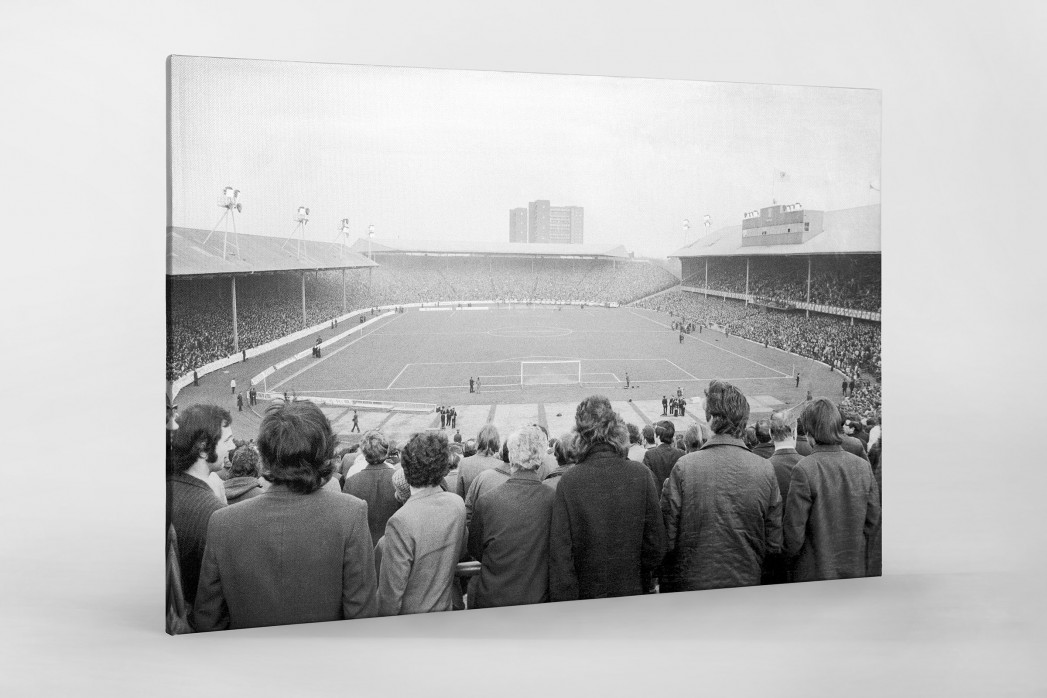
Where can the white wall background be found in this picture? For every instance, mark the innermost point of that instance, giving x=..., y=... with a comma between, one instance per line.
x=82, y=200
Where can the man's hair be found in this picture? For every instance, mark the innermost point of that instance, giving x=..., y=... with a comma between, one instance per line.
x=597, y=423
x=198, y=433
x=648, y=434
x=244, y=462
x=726, y=408
x=665, y=431
x=470, y=448
x=634, y=433
x=763, y=431
x=692, y=438
x=822, y=422
x=781, y=429
x=504, y=453
x=566, y=448
x=488, y=441
x=527, y=447
x=374, y=446
x=749, y=437
x=296, y=444
x=426, y=458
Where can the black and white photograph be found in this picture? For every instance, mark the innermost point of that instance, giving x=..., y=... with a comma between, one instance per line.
x=447, y=340
x=522, y=349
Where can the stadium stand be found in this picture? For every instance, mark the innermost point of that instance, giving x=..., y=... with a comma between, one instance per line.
x=269, y=306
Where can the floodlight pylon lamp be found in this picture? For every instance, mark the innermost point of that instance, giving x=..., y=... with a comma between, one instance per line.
x=370, y=231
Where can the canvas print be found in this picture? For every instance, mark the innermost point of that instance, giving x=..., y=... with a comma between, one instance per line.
x=453, y=340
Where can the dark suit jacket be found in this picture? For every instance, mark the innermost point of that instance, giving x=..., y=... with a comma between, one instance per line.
x=661, y=460
x=606, y=534
x=509, y=535
x=832, y=516
x=374, y=485
x=287, y=558
x=783, y=461
x=776, y=564
x=190, y=504
x=764, y=450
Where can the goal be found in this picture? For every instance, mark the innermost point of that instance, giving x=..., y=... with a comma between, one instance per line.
x=550, y=372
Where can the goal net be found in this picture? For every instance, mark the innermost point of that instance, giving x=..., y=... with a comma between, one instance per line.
x=550, y=372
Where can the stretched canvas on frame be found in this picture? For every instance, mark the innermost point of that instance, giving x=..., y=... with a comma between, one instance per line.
x=431, y=262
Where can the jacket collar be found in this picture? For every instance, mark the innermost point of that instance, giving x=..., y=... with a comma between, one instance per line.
x=819, y=448
x=187, y=479
x=601, y=451
x=526, y=475
x=724, y=440
x=378, y=466
x=785, y=450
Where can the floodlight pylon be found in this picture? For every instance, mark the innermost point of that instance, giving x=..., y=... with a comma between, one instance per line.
x=229, y=199
x=301, y=219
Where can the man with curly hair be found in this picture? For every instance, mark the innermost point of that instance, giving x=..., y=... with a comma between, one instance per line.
x=298, y=553
x=425, y=538
x=606, y=534
x=722, y=508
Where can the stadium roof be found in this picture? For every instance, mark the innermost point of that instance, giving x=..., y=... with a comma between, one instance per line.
x=529, y=249
x=847, y=231
x=187, y=255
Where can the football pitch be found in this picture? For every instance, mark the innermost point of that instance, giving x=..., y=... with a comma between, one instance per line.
x=534, y=363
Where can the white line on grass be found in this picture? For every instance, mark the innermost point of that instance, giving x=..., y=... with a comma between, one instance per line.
x=687, y=372
x=316, y=363
x=703, y=341
x=388, y=387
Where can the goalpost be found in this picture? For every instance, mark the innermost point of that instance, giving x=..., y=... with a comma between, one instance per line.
x=550, y=372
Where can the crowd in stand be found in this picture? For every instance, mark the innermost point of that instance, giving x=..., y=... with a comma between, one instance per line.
x=846, y=282
x=281, y=530
x=270, y=306
x=852, y=348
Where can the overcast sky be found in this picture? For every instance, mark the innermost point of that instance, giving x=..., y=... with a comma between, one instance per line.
x=424, y=153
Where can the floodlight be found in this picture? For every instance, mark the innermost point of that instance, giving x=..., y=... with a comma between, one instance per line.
x=228, y=191
x=303, y=215
x=370, y=231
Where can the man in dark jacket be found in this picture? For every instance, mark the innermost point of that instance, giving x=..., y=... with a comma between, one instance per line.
x=722, y=508
x=244, y=472
x=509, y=530
x=374, y=484
x=832, y=513
x=201, y=443
x=606, y=536
x=764, y=445
x=298, y=553
x=663, y=457
x=783, y=461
